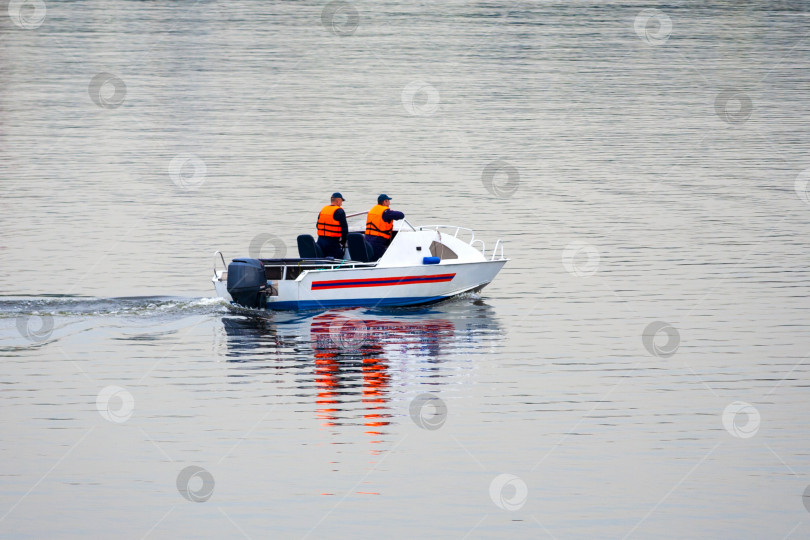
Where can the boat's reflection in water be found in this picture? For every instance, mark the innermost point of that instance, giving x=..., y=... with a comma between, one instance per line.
x=361, y=367
x=350, y=352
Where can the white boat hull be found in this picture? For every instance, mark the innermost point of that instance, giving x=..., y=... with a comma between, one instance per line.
x=404, y=286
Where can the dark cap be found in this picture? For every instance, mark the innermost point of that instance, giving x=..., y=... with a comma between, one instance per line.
x=382, y=198
x=337, y=195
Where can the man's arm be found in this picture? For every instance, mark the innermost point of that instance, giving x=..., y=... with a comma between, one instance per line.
x=391, y=215
x=340, y=217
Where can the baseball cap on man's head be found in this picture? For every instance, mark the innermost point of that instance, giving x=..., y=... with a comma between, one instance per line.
x=337, y=195
x=382, y=198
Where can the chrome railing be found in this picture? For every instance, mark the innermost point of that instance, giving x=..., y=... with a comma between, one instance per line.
x=495, y=250
x=222, y=257
x=451, y=227
x=473, y=241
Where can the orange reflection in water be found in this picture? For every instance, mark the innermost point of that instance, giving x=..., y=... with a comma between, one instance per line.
x=349, y=349
x=326, y=378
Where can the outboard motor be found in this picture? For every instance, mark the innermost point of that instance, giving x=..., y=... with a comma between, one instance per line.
x=247, y=283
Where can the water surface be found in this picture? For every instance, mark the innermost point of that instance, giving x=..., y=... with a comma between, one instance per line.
x=642, y=167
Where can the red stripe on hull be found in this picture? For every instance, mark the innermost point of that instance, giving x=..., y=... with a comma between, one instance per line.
x=380, y=282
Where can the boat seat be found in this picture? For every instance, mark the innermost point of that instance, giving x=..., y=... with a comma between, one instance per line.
x=359, y=248
x=307, y=248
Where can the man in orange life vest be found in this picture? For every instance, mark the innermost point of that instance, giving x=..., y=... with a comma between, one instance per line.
x=380, y=225
x=332, y=228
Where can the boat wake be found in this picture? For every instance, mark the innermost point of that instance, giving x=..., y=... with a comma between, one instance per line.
x=133, y=306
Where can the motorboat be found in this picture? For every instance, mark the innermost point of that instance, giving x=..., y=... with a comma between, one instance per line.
x=422, y=265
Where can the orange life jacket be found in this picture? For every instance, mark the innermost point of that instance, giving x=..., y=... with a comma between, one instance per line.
x=375, y=226
x=327, y=224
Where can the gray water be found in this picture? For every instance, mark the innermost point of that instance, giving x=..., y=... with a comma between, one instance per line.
x=638, y=369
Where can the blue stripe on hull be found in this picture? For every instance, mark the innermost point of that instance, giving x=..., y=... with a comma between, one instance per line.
x=357, y=302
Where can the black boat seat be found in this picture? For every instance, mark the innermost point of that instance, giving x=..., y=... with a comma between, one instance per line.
x=359, y=248
x=307, y=248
